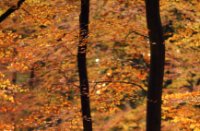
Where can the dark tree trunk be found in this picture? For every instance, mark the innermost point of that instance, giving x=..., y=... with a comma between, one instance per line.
x=32, y=76
x=14, y=77
x=82, y=67
x=14, y=73
x=157, y=48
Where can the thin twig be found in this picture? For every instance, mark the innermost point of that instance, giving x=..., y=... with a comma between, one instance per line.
x=11, y=10
x=122, y=82
x=137, y=33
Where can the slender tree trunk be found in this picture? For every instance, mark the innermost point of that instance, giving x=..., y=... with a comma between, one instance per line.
x=157, y=48
x=14, y=77
x=14, y=73
x=82, y=67
x=32, y=76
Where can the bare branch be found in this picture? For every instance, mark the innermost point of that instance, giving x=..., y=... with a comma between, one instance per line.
x=137, y=33
x=122, y=82
x=11, y=10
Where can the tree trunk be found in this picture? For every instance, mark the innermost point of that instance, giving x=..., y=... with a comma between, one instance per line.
x=14, y=73
x=157, y=49
x=32, y=76
x=82, y=67
x=14, y=77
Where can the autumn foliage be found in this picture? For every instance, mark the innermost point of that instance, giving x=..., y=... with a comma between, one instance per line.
x=39, y=80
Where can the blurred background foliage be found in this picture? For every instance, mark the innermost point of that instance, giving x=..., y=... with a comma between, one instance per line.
x=43, y=35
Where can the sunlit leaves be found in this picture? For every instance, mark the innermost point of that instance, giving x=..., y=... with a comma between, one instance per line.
x=7, y=89
x=179, y=108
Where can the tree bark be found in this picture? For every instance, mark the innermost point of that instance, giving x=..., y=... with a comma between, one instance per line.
x=157, y=49
x=82, y=67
